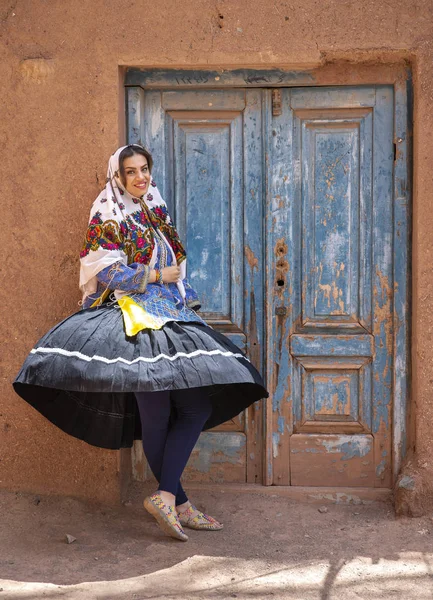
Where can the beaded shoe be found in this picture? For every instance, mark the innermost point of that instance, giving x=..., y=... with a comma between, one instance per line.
x=166, y=516
x=188, y=518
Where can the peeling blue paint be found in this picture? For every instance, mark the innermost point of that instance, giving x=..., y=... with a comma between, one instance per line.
x=226, y=448
x=275, y=444
x=354, y=450
x=380, y=468
x=354, y=446
x=345, y=271
x=281, y=422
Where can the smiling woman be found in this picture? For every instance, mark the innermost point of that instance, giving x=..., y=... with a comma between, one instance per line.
x=138, y=361
x=135, y=166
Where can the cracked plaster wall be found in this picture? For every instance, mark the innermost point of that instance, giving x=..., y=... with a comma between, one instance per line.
x=61, y=118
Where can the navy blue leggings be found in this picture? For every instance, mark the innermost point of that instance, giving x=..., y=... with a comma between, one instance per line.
x=168, y=444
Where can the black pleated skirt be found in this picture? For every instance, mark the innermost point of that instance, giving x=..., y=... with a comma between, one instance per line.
x=82, y=375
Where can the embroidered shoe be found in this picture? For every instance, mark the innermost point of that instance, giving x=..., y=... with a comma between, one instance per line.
x=166, y=516
x=195, y=519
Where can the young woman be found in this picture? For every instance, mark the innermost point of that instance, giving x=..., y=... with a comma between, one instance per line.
x=138, y=361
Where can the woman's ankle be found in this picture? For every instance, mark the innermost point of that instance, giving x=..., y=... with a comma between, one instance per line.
x=167, y=497
x=183, y=507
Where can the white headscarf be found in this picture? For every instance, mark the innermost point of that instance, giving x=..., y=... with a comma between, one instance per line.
x=112, y=207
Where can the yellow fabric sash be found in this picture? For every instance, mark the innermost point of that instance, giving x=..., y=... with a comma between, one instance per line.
x=135, y=317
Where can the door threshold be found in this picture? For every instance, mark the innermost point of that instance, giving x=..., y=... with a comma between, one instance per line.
x=322, y=495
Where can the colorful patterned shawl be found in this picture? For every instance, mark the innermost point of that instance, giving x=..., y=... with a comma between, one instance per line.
x=121, y=229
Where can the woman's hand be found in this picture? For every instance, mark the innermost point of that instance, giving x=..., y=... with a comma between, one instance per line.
x=171, y=274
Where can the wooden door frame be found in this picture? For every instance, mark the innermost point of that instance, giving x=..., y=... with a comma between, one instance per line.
x=259, y=420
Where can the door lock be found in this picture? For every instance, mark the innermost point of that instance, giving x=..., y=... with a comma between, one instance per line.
x=281, y=311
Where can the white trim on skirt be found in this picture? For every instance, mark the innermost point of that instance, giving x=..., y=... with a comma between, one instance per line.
x=110, y=361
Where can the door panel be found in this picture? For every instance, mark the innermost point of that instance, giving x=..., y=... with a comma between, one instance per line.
x=339, y=460
x=334, y=395
x=204, y=207
x=336, y=257
x=332, y=288
x=208, y=155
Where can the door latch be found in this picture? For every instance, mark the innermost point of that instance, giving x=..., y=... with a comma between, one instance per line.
x=281, y=311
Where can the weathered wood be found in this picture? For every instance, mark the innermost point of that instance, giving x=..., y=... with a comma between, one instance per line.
x=332, y=97
x=202, y=78
x=202, y=201
x=401, y=247
x=207, y=181
x=218, y=457
x=237, y=337
x=306, y=494
x=331, y=345
x=335, y=395
x=337, y=388
x=134, y=114
x=331, y=460
x=155, y=139
x=383, y=288
x=334, y=155
x=215, y=100
x=253, y=269
x=200, y=141
x=330, y=337
x=215, y=78
x=282, y=230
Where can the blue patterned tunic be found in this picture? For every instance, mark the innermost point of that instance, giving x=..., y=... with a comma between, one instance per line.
x=161, y=301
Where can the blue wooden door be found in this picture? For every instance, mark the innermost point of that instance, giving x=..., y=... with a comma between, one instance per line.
x=285, y=201
x=209, y=165
x=330, y=236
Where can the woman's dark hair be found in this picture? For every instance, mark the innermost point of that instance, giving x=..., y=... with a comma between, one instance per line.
x=130, y=151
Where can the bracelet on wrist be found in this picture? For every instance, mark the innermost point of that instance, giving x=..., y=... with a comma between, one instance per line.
x=158, y=274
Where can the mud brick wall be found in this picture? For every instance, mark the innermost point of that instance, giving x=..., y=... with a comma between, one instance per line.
x=61, y=68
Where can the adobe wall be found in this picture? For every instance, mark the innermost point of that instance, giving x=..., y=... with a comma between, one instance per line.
x=62, y=116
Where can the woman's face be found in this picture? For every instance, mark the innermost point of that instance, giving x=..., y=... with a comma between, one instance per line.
x=137, y=175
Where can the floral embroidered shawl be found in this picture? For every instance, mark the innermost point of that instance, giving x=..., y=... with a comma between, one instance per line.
x=121, y=229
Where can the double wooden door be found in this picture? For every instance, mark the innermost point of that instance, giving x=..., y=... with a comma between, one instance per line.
x=285, y=201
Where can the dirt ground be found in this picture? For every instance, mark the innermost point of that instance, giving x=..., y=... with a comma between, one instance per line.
x=271, y=547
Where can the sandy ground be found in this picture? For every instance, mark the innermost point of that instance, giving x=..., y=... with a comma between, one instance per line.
x=271, y=547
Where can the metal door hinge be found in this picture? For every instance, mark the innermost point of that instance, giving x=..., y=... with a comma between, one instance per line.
x=276, y=103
